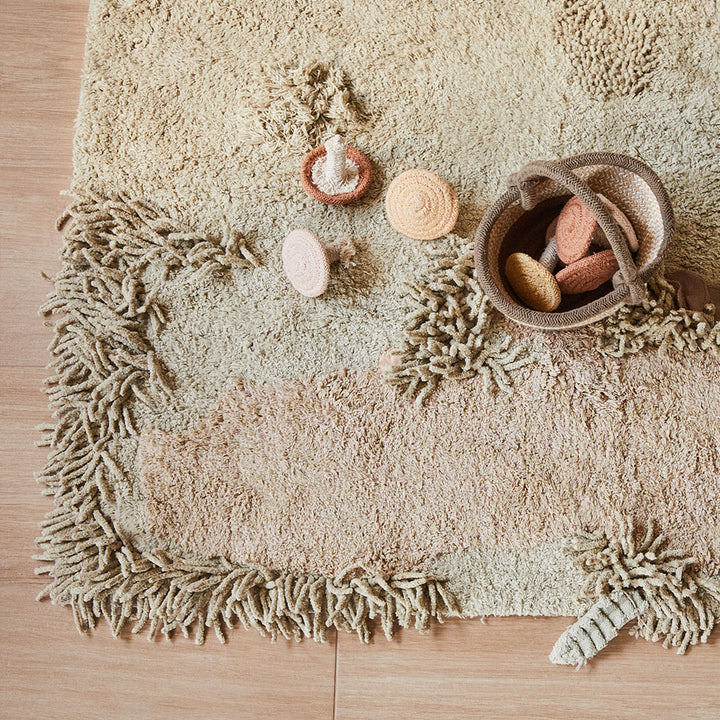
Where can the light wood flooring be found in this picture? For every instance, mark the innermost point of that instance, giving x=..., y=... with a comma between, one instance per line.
x=461, y=670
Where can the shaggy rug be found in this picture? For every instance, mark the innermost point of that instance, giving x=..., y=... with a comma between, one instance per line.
x=226, y=450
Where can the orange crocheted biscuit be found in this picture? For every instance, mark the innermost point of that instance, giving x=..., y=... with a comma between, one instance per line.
x=623, y=223
x=532, y=283
x=588, y=273
x=577, y=229
x=574, y=230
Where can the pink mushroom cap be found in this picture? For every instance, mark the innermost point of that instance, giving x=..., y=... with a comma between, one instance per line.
x=306, y=263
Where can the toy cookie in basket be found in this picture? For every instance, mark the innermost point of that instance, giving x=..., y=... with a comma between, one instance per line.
x=573, y=240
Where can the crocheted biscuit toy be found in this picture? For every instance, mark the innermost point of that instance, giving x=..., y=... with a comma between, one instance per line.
x=532, y=282
x=421, y=205
x=577, y=229
x=588, y=273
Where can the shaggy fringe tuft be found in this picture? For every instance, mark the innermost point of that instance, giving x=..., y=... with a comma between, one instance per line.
x=450, y=331
x=162, y=594
x=683, y=601
x=103, y=364
x=656, y=322
x=300, y=106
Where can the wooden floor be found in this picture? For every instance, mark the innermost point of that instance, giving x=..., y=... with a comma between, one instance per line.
x=463, y=669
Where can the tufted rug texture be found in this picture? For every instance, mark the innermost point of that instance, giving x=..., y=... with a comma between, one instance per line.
x=225, y=450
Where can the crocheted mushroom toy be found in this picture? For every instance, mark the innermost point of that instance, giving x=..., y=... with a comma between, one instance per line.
x=335, y=173
x=307, y=261
x=421, y=205
x=391, y=358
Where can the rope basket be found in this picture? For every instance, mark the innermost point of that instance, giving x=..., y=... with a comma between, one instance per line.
x=542, y=188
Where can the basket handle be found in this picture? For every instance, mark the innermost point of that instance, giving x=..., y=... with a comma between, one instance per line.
x=525, y=181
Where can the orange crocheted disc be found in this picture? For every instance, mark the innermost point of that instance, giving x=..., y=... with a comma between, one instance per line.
x=574, y=230
x=421, y=205
x=364, y=176
x=588, y=273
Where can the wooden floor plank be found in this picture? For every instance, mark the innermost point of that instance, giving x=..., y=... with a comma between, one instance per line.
x=500, y=670
x=41, y=51
x=22, y=408
x=50, y=671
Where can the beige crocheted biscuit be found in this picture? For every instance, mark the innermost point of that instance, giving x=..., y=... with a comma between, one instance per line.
x=588, y=273
x=532, y=283
x=421, y=205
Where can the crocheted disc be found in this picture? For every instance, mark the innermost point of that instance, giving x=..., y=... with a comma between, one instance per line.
x=306, y=263
x=532, y=283
x=574, y=230
x=588, y=273
x=421, y=205
x=353, y=154
x=623, y=223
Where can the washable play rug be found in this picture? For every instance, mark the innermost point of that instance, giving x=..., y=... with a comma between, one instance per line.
x=226, y=451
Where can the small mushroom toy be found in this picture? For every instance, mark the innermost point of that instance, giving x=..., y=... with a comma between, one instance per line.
x=307, y=261
x=335, y=173
x=390, y=359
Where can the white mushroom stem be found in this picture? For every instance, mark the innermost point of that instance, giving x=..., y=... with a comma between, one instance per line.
x=335, y=173
x=549, y=258
x=340, y=251
x=335, y=159
x=550, y=232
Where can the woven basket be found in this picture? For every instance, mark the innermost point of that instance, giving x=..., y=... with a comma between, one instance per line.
x=545, y=186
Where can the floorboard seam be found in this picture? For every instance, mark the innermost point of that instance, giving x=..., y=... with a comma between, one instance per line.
x=335, y=675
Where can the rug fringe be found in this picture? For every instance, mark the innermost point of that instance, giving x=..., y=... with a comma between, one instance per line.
x=656, y=322
x=450, y=332
x=161, y=595
x=103, y=363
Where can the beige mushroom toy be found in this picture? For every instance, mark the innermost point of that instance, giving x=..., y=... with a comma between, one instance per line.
x=335, y=173
x=307, y=261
